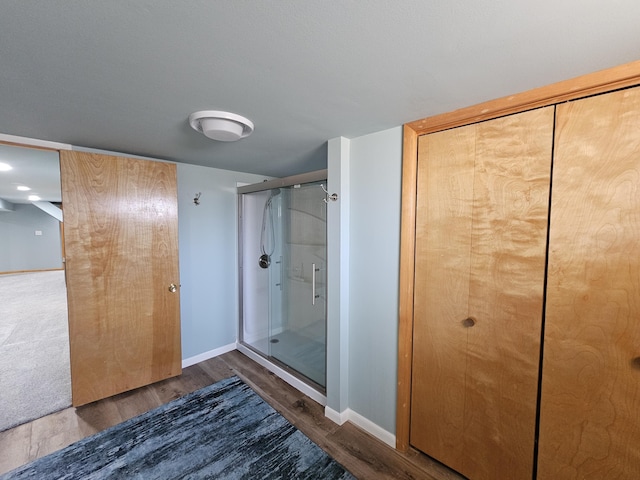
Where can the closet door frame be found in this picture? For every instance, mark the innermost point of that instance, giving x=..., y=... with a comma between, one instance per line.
x=623, y=76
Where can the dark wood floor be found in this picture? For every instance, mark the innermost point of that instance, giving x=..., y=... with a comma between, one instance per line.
x=363, y=455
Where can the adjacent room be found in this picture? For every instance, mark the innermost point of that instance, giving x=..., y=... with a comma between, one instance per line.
x=320, y=239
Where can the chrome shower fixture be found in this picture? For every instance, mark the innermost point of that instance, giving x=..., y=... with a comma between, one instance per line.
x=264, y=261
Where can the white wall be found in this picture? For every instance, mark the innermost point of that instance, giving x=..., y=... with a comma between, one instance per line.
x=375, y=199
x=21, y=248
x=338, y=151
x=208, y=257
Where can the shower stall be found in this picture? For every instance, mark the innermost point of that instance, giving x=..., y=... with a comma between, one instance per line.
x=283, y=261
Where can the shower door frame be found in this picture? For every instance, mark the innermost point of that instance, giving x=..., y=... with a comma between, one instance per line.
x=290, y=375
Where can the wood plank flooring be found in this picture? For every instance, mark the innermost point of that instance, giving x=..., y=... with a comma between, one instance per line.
x=363, y=455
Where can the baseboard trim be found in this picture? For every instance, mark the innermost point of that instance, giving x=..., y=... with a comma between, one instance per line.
x=187, y=362
x=362, y=422
x=335, y=416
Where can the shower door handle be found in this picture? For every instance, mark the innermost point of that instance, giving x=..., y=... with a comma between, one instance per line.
x=313, y=283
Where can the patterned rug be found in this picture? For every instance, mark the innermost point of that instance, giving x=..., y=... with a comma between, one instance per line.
x=223, y=431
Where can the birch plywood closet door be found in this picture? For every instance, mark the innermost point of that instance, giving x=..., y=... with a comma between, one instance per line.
x=482, y=210
x=121, y=242
x=590, y=403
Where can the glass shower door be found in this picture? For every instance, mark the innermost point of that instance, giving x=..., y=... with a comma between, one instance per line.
x=283, y=267
x=299, y=341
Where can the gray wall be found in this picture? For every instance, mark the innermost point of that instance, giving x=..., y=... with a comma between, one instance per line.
x=20, y=248
x=208, y=257
x=374, y=229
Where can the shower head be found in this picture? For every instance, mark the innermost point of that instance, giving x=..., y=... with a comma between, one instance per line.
x=275, y=192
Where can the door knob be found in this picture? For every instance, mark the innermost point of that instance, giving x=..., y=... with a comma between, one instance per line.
x=173, y=287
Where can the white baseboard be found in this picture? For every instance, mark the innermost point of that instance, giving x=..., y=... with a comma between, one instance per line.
x=187, y=362
x=334, y=416
x=362, y=422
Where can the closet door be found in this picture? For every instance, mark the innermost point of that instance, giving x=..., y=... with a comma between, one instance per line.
x=590, y=404
x=481, y=231
x=121, y=241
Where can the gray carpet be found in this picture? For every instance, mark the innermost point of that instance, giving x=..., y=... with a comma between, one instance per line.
x=223, y=431
x=34, y=347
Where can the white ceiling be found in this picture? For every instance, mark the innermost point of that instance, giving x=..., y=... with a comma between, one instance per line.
x=124, y=75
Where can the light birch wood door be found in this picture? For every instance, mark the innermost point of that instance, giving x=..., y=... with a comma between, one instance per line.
x=121, y=243
x=590, y=403
x=481, y=231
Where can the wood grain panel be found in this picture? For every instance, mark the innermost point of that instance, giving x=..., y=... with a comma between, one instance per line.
x=481, y=231
x=590, y=406
x=443, y=245
x=121, y=244
x=508, y=257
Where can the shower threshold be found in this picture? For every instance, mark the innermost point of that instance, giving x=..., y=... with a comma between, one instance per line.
x=293, y=378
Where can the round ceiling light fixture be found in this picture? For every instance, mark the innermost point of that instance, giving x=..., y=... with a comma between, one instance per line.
x=221, y=126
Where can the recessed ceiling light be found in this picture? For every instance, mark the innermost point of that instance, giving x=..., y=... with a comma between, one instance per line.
x=221, y=126
x=23, y=188
x=5, y=167
x=33, y=198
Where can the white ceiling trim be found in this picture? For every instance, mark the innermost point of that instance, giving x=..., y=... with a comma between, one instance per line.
x=34, y=142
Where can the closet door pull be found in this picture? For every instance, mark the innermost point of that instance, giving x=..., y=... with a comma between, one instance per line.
x=468, y=322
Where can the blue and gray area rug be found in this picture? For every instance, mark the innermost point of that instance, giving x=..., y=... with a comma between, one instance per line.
x=223, y=431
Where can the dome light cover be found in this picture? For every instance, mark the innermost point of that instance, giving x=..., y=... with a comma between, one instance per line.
x=221, y=126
